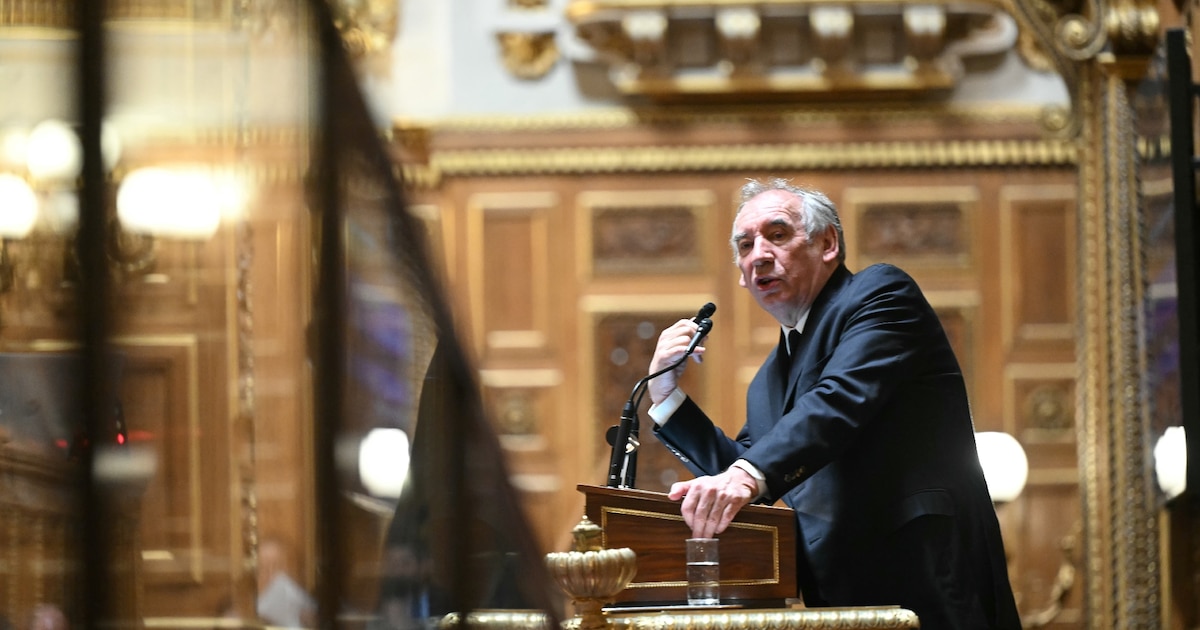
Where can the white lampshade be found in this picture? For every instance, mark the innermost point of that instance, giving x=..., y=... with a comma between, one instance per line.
x=177, y=203
x=1170, y=461
x=18, y=207
x=383, y=460
x=1005, y=466
x=53, y=151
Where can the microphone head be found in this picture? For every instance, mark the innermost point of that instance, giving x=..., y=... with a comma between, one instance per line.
x=706, y=325
x=705, y=312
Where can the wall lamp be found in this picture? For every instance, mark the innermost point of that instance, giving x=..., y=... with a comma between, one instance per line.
x=1005, y=466
x=39, y=171
x=18, y=213
x=1170, y=462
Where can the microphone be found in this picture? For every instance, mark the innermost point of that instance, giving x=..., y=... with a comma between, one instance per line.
x=705, y=312
x=622, y=466
x=706, y=325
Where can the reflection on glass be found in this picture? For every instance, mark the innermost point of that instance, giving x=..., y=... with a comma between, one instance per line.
x=456, y=540
x=206, y=490
x=1161, y=304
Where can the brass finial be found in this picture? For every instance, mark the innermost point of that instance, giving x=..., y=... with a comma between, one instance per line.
x=588, y=536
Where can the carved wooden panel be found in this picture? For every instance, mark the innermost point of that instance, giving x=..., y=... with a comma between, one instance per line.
x=912, y=227
x=509, y=270
x=1037, y=248
x=644, y=232
x=1041, y=400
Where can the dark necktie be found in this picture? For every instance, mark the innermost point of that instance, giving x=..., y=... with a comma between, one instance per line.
x=793, y=341
x=788, y=345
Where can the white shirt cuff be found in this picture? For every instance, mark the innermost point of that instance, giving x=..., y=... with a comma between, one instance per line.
x=661, y=412
x=760, y=480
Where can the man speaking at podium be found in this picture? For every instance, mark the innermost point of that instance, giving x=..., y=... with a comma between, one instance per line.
x=861, y=425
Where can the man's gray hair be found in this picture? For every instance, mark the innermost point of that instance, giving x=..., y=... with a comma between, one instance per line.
x=817, y=212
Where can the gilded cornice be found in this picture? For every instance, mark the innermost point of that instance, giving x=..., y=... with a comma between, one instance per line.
x=588, y=154
x=628, y=118
x=807, y=156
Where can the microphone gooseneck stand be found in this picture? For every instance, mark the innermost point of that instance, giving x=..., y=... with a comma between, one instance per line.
x=622, y=467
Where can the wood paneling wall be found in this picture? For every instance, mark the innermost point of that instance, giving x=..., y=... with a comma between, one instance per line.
x=567, y=273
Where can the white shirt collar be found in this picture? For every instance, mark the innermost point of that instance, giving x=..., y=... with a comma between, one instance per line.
x=799, y=327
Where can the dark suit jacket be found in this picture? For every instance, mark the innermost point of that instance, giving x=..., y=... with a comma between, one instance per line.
x=869, y=439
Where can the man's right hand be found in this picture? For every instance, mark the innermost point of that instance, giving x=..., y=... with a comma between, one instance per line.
x=672, y=343
x=710, y=503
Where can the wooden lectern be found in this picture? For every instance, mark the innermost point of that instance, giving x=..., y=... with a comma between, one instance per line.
x=758, y=550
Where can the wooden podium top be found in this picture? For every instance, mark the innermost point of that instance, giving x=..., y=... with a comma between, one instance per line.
x=758, y=550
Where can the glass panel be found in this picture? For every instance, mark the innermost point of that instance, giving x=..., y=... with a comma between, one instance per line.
x=230, y=391
x=457, y=541
x=43, y=436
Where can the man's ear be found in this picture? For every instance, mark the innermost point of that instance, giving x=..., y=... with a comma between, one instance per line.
x=830, y=247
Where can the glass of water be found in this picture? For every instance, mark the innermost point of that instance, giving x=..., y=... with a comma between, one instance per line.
x=703, y=572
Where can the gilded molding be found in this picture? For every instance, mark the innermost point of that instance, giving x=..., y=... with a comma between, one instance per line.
x=367, y=27
x=48, y=15
x=528, y=56
x=798, y=619
x=497, y=620
x=1091, y=396
x=664, y=159
x=628, y=118
x=1121, y=580
x=245, y=426
x=1059, y=40
x=60, y=14
x=1132, y=504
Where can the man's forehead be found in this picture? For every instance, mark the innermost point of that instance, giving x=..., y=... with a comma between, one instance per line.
x=772, y=212
x=773, y=201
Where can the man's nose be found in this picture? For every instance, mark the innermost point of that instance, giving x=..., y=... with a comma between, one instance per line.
x=761, y=253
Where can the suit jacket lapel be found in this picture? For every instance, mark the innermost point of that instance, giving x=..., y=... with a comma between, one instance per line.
x=804, y=352
x=776, y=381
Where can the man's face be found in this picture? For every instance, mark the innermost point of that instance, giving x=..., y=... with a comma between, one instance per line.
x=782, y=267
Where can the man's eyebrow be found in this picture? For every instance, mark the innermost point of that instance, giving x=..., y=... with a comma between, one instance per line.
x=739, y=236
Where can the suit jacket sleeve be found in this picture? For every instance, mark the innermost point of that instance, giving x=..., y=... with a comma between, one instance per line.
x=873, y=343
x=874, y=336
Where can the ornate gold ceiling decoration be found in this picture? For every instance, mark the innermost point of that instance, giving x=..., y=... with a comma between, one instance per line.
x=1061, y=34
x=528, y=55
x=672, y=48
x=367, y=26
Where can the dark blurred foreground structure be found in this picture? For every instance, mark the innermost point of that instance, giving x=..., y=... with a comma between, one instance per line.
x=455, y=543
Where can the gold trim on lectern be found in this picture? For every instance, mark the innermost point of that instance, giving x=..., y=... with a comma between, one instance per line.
x=771, y=531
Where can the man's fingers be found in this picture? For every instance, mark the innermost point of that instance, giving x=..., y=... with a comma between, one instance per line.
x=709, y=503
x=727, y=516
